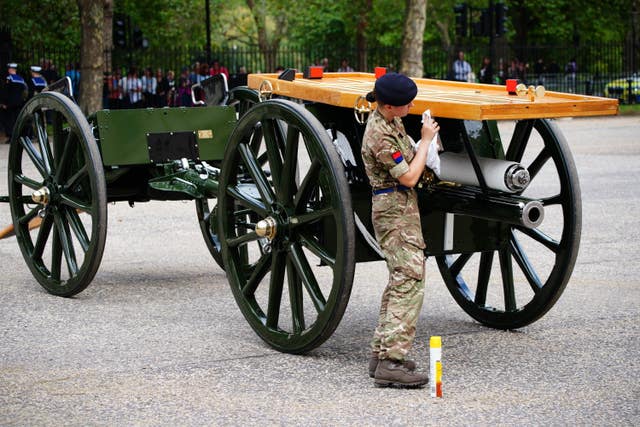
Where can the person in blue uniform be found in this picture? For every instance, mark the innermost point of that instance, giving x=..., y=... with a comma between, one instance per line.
x=37, y=82
x=12, y=97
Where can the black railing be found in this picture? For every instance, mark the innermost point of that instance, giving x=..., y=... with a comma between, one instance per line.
x=597, y=64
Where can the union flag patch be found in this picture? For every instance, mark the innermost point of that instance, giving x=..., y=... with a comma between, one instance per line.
x=397, y=157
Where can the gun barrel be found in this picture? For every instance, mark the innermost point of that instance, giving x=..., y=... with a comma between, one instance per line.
x=471, y=201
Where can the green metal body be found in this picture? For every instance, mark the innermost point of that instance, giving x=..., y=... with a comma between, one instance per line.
x=144, y=151
x=123, y=133
x=125, y=147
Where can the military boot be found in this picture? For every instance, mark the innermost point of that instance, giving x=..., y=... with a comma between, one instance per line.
x=373, y=364
x=394, y=373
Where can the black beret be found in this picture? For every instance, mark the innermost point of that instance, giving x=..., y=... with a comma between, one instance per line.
x=395, y=89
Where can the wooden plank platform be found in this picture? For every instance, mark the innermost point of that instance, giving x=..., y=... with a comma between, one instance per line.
x=469, y=101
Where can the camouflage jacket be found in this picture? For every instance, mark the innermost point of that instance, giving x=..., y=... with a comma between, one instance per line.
x=386, y=150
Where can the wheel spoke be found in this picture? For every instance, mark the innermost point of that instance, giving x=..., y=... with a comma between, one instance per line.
x=67, y=244
x=243, y=238
x=278, y=266
x=43, y=236
x=33, y=212
x=311, y=217
x=309, y=182
x=519, y=140
x=257, y=174
x=67, y=155
x=506, y=269
x=525, y=265
x=78, y=228
x=56, y=255
x=247, y=201
x=273, y=139
x=305, y=273
x=81, y=173
x=554, y=200
x=256, y=140
x=76, y=203
x=33, y=154
x=56, y=123
x=484, y=273
x=295, y=298
x=314, y=246
x=43, y=141
x=459, y=263
x=538, y=163
x=541, y=237
x=288, y=179
x=28, y=182
x=260, y=270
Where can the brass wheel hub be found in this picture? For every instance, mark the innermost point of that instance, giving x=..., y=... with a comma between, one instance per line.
x=267, y=227
x=41, y=196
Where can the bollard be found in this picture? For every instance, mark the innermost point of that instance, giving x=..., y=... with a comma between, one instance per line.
x=435, y=363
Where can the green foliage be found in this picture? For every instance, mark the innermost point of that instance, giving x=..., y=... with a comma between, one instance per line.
x=569, y=21
x=327, y=26
x=167, y=23
x=30, y=25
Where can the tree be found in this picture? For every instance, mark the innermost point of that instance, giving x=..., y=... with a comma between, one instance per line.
x=270, y=36
x=92, y=46
x=412, y=41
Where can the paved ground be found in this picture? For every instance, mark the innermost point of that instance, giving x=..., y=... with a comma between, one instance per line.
x=158, y=340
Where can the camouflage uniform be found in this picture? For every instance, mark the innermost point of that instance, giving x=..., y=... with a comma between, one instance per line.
x=386, y=151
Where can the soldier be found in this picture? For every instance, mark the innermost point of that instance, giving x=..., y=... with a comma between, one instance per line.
x=37, y=83
x=394, y=169
x=12, y=98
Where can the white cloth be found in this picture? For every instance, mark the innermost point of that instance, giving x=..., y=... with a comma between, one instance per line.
x=433, y=158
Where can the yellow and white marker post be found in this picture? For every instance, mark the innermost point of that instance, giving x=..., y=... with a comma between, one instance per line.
x=435, y=362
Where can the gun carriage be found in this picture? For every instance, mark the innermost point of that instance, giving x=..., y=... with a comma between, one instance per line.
x=283, y=201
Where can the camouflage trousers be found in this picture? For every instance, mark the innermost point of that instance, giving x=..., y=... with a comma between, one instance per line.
x=396, y=221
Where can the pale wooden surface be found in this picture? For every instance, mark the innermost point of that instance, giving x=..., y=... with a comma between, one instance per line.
x=458, y=100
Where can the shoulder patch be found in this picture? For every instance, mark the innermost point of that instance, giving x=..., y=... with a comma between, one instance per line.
x=397, y=157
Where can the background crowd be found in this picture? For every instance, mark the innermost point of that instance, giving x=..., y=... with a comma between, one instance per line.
x=156, y=88
x=135, y=87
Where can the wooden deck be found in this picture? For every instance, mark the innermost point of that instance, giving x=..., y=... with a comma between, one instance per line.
x=469, y=101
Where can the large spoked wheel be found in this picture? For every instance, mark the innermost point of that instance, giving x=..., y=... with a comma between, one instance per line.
x=56, y=181
x=287, y=243
x=242, y=98
x=487, y=285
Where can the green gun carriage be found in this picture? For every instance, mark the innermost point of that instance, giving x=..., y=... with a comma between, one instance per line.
x=284, y=205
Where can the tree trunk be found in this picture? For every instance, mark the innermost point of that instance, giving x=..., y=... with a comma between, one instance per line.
x=91, y=55
x=268, y=48
x=412, y=40
x=361, y=35
x=107, y=31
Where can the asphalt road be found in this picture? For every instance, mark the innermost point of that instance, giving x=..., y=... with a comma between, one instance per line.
x=157, y=338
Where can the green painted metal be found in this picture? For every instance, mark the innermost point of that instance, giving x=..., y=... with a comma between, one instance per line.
x=301, y=201
x=186, y=181
x=123, y=133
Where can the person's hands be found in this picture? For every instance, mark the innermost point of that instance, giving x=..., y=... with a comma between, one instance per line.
x=429, y=128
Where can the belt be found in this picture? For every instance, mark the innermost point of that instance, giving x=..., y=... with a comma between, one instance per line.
x=390, y=189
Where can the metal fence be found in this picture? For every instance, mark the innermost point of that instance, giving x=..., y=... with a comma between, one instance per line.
x=597, y=64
